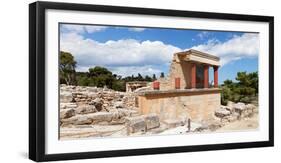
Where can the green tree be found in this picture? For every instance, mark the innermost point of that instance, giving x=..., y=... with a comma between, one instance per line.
x=100, y=77
x=154, y=77
x=248, y=83
x=119, y=85
x=82, y=78
x=254, y=77
x=67, y=68
x=228, y=82
x=97, y=71
x=147, y=78
x=244, y=90
x=139, y=78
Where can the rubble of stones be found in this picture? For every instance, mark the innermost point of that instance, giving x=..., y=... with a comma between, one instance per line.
x=85, y=107
x=235, y=111
x=230, y=113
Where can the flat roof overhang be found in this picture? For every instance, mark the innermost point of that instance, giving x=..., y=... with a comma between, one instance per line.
x=198, y=57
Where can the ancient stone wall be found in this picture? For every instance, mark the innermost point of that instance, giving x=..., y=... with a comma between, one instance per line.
x=85, y=95
x=199, y=106
x=178, y=69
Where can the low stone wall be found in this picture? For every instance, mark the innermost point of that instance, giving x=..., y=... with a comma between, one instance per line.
x=196, y=104
x=85, y=95
x=91, y=105
x=235, y=111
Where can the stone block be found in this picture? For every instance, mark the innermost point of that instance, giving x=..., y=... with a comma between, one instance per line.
x=69, y=105
x=239, y=107
x=172, y=123
x=66, y=113
x=101, y=117
x=222, y=113
x=66, y=96
x=152, y=121
x=76, y=120
x=97, y=103
x=135, y=124
x=85, y=109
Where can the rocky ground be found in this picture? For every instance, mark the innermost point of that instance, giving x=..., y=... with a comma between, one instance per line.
x=249, y=123
x=100, y=112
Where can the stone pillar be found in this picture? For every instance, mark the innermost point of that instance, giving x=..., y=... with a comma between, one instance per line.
x=177, y=83
x=156, y=85
x=216, y=76
x=193, y=75
x=206, y=76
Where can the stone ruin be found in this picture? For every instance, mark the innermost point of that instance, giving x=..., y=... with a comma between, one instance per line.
x=183, y=102
x=235, y=111
x=186, y=92
x=135, y=85
x=85, y=107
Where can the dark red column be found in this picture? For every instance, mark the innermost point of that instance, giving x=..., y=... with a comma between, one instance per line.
x=206, y=76
x=216, y=76
x=156, y=85
x=193, y=75
x=177, y=83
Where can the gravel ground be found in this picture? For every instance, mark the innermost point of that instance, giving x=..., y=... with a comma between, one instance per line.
x=250, y=123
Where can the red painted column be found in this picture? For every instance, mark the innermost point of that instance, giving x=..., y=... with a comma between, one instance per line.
x=206, y=76
x=216, y=76
x=193, y=75
x=177, y=83
x=156, y=85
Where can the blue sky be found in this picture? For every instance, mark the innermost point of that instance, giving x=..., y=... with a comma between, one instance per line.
x=129, y=50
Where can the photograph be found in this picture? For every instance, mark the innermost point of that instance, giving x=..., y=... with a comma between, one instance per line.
x=113, y=81
x=129, y=81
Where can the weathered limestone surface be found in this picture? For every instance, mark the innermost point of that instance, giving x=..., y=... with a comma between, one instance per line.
x=195, y=105
x=172, y=123
x=66, y=96
x=98, y=112
x=67, y=113
x=86, y=109
x=68, y=105
x=135, y=124
x=92, y=105
x=142, y=123
x=235, y=111
x=152, y=121
x=101, y=98
x=222, y=112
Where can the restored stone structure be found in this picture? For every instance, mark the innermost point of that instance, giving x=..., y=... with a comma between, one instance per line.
x=186, y=92
x=132, y=86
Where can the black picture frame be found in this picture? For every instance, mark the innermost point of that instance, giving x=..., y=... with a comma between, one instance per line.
x=37, y=80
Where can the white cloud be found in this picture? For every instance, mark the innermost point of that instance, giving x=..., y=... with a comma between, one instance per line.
x=122, y=55
x=92, y=29
x=134, y=70
x=136, y=29
x=82, y=28
x=238, y=47
x=129, y=56
x=203, y=35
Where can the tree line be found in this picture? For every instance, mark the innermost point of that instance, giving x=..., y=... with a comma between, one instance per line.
x=245, y=89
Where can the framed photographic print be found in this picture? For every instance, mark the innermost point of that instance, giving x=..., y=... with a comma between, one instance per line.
x=109, y=81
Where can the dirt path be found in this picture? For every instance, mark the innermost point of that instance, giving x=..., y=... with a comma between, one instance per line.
x=245, y=124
